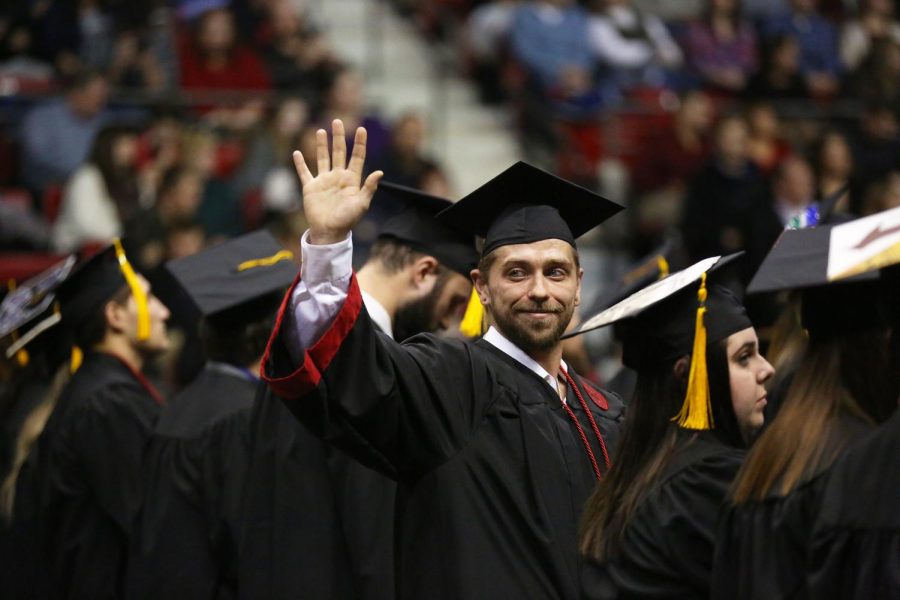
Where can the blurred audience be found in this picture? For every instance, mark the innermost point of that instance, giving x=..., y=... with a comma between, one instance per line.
x=766, y=146
x=874, y=23
x=721, y=47
x=817, y=40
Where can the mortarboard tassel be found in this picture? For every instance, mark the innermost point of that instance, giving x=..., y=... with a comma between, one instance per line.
x=696, y=412
x=267, y=261
x=75, y=359
x=472, y=324
x=663, y=265
x=137, y=291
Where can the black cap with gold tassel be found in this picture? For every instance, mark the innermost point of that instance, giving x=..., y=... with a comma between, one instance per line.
x=696, y=412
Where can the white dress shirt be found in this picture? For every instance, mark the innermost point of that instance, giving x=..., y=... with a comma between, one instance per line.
x=378, y=313
x=324, y=282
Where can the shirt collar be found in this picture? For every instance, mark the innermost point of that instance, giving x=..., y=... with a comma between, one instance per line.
x=499, y=341
x=378, y=313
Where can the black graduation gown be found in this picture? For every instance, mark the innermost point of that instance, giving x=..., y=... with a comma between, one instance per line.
x=89, y=473
x=667, y=548
x=186, y=539
x=855, y=549
x=762, y=547
x=492, y=475
x=305, y=498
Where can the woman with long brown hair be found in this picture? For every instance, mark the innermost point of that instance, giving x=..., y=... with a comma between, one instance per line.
x=648, y=529
x=844, y=385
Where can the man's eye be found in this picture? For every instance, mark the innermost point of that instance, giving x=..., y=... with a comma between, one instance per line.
x=556, y=272
x=516, y=273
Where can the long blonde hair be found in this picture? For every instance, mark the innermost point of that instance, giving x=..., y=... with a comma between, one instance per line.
x=27, y=438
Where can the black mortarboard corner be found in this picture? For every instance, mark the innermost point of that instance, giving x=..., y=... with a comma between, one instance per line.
x=799, y=261
x=31, y=309
x=90, y=286
x=678, y=316
x=227, y=279
x=417, y=227
x=524, y=204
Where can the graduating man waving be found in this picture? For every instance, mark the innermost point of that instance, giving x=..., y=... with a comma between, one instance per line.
x=495, y=444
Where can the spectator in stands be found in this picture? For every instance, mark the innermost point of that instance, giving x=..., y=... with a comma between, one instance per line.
x=269, y=147
x=779, y=78
x=486, y=41
x=102, y=194
x=406, y=159
x=878, y=78
x=57, y=135
x=721, y=47
x=668, y=163
x=179, y=197
x=766, y=146
x=882, y=195
x=134, y=65
x=345, y=101
x=636, y=47
x=17, y=55
x=820, y=63
x=875, y=141
x=73, y=35
x=298, y=56
x=834, y=169
x=220, y=210
x=723, y=195
x=214, y=58
x=875, y=22
x=549, y=38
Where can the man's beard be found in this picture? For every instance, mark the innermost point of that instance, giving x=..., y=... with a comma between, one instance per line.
x=534, y=340
x=418, y=316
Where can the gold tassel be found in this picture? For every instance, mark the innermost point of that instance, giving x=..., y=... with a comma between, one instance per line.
x=472, y=324
x=663, y=265
x=75, y=360
x=696, y=412
x=137, y=291
x=268, y=261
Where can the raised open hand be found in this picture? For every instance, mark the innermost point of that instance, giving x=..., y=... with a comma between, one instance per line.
x=333, y=200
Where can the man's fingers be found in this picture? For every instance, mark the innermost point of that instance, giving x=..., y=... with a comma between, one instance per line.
x=371, y=184
x=359, y=152
x=322, y=160
x=338, y=145
x=302, y=169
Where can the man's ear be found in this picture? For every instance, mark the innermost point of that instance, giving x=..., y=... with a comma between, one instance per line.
x=116, y=316
x=578, y=288
x=422, y=269
x=479, y=280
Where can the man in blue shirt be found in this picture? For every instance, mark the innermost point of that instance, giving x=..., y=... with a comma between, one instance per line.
x=57, y=135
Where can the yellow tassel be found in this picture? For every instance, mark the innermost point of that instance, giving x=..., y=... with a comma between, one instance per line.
x=268, y=261
x=137, y=291
x=75, y=360
x=663, y=266
x=472, y=324
x=696, y=412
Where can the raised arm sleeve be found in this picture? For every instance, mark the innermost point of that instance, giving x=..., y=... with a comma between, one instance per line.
x=319, y=294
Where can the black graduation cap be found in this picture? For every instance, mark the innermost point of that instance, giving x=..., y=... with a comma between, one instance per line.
x=524, y=204
x=417, y=227
x=799, y=261
x=92, y=284
x=657, y=322
x=29, y=310
x=675, y=317
x=235, y=273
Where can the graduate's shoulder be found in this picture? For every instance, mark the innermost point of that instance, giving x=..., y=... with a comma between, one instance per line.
x=211, y=397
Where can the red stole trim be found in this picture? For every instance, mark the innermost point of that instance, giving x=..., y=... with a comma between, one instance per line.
x=145, y=383
x=317, y=358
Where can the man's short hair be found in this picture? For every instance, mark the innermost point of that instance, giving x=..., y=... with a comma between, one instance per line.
x=92, y=330
x=394, y=256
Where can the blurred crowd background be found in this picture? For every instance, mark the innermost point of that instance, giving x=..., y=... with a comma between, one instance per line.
x=171, y=122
